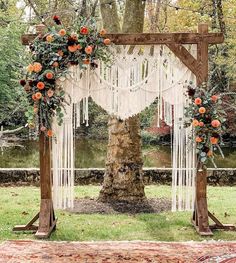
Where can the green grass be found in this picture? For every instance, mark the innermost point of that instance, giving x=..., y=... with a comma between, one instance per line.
x=19, y=204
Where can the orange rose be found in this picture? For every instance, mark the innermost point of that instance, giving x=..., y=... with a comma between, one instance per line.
x=60, y=53
x=50, y=93
x=34, y=97
x=37, y=67
x=55, y=64
x=195, y=123
x=30, y=68
x=201, y=124
x=202, y=110
x=72, y=48
x=88, y=50
x=40, y=85
x=107, y=41
x=86, y=61
x=49, y=133
x=214, y=140
x=49, y=75
x=198, y=101
x=215, y=123
x=79, y=47
x=84, y=30
x=198, y=139
x=49, y=38
x=210, y=153
x=62, y=32
x=102, y=32
x=38, y=95
x=214, y=98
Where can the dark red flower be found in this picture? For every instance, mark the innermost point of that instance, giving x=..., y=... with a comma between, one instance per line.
x=191, y=91
x=22, y=82
x=57, y=20
x=31, y=83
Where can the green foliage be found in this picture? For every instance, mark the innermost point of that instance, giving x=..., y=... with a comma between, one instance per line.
x=205, y=112
x=12, y=53
x=52, y=54
x=149, y=138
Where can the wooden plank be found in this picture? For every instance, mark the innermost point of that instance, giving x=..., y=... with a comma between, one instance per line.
x=152, y=38
x=186, y=57
x=45, y=166
x=202, y=55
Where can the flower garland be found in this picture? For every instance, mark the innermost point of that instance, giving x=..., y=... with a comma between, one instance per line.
x=205, y=112
x=52, y=54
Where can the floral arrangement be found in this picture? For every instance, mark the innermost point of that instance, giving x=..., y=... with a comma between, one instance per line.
x=52, y=53
x=206, y=114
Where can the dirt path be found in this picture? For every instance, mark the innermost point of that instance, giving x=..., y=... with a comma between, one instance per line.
x=117, y=252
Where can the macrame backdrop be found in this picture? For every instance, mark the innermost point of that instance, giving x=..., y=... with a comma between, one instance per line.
x=137, y=77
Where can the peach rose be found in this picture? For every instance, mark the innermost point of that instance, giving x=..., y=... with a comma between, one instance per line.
x=30, y=68
x=102, y=32
x=49, y=38
x=38, y=95
x=37, y=67
x=50, y=93
x=201, y=124
x=79, y=47
x=195, y=123
x=88, y=50
x=202, y=110
x=62, y=32
x=215, y=123
x=107, y=41
x=49, y=75
x=214, y=98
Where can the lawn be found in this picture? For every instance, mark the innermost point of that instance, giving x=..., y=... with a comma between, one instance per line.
x=19, y=204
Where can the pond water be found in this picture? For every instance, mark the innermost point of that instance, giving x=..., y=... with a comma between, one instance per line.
x=91, y=153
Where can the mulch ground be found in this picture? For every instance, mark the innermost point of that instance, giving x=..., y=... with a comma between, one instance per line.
x=92, y=206
x=117, y=252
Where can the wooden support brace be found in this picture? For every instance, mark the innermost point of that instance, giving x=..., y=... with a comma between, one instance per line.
x=46, y=216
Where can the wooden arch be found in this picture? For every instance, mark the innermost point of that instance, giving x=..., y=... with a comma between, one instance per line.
x=199, y=67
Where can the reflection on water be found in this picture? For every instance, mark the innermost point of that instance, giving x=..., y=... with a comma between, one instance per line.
x=91, y=153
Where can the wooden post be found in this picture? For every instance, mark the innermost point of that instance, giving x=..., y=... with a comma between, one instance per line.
x=201, y=214
x=47, y=221
x=46, y=216
x=200, y=217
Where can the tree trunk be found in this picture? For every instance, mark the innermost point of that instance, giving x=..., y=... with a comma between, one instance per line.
x=123, y=176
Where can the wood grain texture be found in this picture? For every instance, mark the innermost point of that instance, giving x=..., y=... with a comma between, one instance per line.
x=152, y=38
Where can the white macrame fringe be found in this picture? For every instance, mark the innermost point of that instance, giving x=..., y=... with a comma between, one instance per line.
x=137, y=77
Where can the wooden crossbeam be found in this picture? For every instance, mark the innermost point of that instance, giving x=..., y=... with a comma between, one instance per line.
x=152, y=39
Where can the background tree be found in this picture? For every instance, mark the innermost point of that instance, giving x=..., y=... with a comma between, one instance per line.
x=123, y=176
